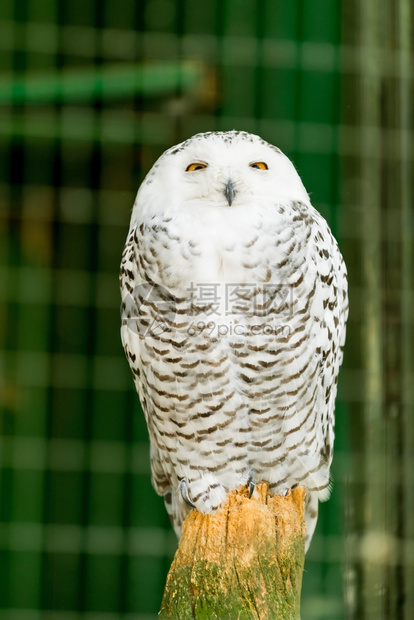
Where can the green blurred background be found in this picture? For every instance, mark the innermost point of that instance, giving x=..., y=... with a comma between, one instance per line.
x=91, y=93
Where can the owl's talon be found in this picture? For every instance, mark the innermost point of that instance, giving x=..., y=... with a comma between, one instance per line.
x=251, y=484
x=184, y=493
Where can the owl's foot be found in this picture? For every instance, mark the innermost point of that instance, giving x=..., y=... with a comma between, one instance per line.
x=184, y=493
x=205, y=494
x=251, y=482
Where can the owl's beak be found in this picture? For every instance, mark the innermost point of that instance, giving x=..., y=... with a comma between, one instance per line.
x=229, y=192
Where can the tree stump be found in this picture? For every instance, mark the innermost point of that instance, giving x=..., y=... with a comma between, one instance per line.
x=244, y=561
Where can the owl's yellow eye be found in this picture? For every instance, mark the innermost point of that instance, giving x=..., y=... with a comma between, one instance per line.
x=259, y=165
x=196, y=166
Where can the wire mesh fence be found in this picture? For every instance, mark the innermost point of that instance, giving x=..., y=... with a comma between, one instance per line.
x=90, y=94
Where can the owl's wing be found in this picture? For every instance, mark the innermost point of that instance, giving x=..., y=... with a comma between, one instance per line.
x=160, y=481
x=331, y=314
x=132, y=284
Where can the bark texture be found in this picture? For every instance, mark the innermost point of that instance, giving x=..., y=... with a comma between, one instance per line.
x=244, y=561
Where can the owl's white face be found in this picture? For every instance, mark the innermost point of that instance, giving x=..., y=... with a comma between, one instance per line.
x=220, y=170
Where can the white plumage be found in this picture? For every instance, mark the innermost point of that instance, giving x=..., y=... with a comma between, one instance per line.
x=234, y=309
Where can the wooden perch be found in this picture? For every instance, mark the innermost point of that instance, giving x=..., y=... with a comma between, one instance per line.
x=244, y=561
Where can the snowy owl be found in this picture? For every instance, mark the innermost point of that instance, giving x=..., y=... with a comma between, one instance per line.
x=234, y=304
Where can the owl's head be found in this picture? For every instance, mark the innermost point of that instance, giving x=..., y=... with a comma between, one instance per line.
x=221, y=170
